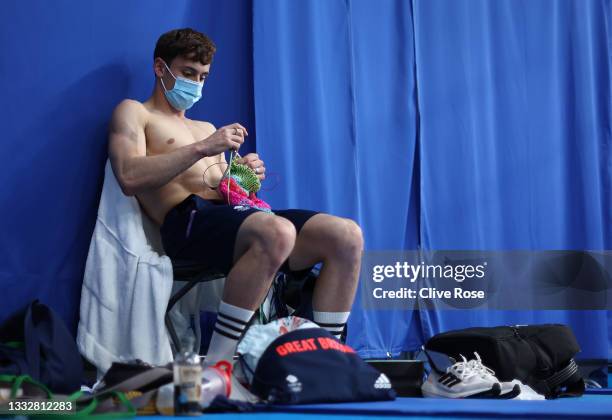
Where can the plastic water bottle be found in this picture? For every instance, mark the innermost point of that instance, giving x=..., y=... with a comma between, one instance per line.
x=216, y=380
x=164, y=400
x=187, y=383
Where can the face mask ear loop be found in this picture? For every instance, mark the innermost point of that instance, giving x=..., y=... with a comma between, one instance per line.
x=170, y=71
x=161, y=79
x=163, y=84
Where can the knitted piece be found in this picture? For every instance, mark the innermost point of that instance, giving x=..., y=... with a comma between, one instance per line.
x=245, y=176
x=239, y=196
x=260, y=204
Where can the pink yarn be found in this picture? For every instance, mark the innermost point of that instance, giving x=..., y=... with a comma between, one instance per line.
x=238, y=196
x=260, y=204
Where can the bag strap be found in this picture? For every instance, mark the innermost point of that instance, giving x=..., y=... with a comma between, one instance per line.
x=87, y=409
x=97, y=408
x=569, y=378
x=105, y=407
x=88, y=406
x=17, y=382
x=563, y=375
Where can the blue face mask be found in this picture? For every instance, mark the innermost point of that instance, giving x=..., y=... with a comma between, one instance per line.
x=185, y=92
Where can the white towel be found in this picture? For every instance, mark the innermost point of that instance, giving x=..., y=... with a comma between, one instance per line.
x=126, y=287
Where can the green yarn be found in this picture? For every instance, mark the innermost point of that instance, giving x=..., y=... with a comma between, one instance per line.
x=244, y=176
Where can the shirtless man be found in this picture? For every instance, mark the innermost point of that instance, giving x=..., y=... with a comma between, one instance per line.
x=160, y=156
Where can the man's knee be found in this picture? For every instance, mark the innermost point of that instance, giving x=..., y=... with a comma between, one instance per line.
x=347, y=239
x=276, y=238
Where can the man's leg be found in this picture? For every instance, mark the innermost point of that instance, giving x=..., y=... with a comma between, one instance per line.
x=337, y=243
x=263, y=243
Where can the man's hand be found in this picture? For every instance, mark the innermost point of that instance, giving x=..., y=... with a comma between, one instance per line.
x=228, y=137
x=252, y=161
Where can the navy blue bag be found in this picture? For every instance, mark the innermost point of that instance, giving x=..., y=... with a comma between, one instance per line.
x=36, y=342
x=311, y=366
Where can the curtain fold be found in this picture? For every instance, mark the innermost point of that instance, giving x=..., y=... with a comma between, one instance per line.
x=336, y=120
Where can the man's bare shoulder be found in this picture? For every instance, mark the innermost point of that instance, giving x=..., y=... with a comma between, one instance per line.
x=131, y=107
x=205, y=125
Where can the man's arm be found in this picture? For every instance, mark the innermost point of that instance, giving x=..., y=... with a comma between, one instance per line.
x=135, y=171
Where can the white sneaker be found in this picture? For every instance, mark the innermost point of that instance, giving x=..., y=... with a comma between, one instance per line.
x=461, y=380
x=508, y=389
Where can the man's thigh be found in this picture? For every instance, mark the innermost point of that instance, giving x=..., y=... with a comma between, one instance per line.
x=251, y=230
x=319, y=235
x=254, y=228
x=203, y=232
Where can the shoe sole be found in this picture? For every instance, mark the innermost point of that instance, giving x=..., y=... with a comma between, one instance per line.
x=513, y=393
x=492, y=392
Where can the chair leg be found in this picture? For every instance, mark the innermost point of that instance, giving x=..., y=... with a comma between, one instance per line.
x=174, y=340
x=175, y=343
x=182, y=292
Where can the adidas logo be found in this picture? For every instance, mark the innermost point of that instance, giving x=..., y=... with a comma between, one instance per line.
x=293, y=383
x=449, y=380
x=382, y=382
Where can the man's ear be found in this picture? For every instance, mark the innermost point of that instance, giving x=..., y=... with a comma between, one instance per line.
x=158, y=67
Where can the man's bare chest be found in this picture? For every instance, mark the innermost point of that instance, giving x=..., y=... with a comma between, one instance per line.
x=163, y=136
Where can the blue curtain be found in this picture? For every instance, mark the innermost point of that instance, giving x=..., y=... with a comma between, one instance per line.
x=515, y=106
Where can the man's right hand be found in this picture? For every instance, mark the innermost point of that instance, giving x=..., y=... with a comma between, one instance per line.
x=228, y=137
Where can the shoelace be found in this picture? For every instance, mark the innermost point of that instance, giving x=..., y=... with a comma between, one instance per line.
x=463, y=370
x=482, y=370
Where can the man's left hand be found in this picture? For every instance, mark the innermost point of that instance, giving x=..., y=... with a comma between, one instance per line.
x=252, y=161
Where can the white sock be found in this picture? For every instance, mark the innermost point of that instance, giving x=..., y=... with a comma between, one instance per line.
x=231, y=321
x=333, y=322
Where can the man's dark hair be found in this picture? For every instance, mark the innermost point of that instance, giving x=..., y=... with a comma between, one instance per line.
x=185, y=42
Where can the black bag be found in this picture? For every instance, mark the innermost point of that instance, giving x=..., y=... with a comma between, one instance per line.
x=36, y=342
x=540, y=356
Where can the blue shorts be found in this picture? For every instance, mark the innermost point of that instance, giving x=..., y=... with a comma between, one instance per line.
x=205, y=231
